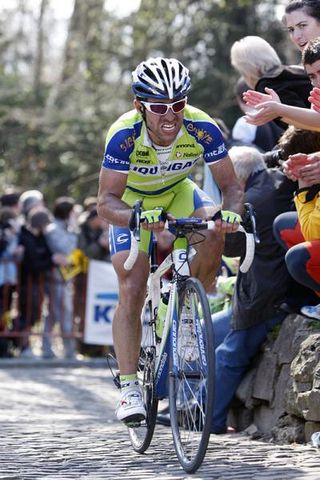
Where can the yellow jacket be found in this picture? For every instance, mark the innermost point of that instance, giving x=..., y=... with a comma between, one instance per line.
x=307, y=201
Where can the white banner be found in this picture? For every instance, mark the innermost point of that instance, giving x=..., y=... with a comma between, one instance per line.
x=102, y=298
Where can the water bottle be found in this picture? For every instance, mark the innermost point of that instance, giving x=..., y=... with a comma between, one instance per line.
x=161, y=315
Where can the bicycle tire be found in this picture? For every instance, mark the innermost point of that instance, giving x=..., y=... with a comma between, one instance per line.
x=141, y=435
x=191, y=377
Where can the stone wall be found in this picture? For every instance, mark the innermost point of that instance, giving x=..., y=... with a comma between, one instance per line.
x=279, y=397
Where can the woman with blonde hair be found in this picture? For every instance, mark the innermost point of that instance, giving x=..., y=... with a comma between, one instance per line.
x=255, y=58
x=259, y=64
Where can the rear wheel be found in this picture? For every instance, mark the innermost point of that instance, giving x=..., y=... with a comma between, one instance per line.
x=191, y=376
x=141, y=434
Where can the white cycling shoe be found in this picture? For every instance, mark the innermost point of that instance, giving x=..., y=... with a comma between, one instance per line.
x=131, y=409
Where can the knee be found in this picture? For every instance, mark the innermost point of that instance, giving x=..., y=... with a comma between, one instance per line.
x=278, y=226
x=132, y=295
x=231, y=358
x=294, y=261
x=284, y=227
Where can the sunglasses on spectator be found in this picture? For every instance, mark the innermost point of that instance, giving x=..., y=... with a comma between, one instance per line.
x=162, y=108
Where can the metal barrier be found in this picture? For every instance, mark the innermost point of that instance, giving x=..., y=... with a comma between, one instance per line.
x=40, y=305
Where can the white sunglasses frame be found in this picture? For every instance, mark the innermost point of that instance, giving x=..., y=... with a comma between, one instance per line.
x=168, y=105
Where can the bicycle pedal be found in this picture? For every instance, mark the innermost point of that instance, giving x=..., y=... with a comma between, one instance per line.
x=133, y=423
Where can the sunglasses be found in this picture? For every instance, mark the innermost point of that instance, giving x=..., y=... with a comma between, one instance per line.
x=162, y=108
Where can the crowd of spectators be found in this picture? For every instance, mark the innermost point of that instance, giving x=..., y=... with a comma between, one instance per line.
x=37, y=286
x=284, y=190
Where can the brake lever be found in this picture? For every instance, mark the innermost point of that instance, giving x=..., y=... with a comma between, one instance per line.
x=134, y=223
x=249, y=221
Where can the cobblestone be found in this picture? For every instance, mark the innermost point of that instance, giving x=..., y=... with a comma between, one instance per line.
x=58, y=423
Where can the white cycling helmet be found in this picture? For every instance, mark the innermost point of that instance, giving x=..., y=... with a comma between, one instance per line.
x=161, y=78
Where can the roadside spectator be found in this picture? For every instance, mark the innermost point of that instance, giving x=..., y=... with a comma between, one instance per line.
x=90, y=203
x=286, y=226
x=269, y=106
x=11, y=199
x=93, y=237
x=10, y=253
x=36, y=264
x=302, y=21
x=30, y=199
x=259, y=64
x=303, y=260
x=263, y=137
x=61, y=236
x=241, y=329
x=299, y=232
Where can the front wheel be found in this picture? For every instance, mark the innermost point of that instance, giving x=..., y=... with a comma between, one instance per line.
x=141, y=435
x=191, y=378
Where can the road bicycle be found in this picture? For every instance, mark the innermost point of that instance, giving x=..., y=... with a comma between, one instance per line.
x=179, y=364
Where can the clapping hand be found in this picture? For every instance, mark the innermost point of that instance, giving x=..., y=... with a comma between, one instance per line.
x=266, y=106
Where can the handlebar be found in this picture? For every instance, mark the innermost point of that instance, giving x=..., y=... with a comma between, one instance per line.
x=183, y=226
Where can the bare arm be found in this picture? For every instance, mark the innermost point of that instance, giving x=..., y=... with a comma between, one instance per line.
x=225, y=177
x=268, y=107
x=110, y=206
x=296, y=116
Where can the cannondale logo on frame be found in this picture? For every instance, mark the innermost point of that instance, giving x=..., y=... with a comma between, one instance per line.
x=122, y=238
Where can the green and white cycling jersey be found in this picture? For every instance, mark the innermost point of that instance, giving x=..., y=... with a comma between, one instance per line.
x=129, y=150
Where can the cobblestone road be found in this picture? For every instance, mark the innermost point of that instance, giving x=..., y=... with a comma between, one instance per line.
x=58, y=423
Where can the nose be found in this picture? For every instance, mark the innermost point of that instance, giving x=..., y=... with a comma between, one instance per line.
x=170, y=114
x=296, y=35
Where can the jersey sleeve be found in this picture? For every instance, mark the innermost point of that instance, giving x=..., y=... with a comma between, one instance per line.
x=118, y=147
x=216, y=149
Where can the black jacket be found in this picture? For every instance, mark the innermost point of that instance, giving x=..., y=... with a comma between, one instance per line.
x=37, y=256
x=292, y=85
x=263, y=288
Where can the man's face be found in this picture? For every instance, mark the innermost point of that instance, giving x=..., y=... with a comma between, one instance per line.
x=313, y=72
x=162, y=129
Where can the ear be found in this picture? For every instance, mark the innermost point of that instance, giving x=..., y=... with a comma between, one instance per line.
x=137, y=105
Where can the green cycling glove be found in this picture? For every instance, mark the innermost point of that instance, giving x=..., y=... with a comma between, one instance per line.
x=153, y=216
x=230, y=217
x=227, y=216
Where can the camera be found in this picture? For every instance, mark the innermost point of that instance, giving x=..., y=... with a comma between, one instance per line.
x=274, y=158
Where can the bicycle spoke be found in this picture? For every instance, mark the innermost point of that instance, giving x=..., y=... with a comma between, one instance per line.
x=191, y=378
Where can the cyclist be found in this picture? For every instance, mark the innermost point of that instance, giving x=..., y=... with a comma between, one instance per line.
x=149, y=154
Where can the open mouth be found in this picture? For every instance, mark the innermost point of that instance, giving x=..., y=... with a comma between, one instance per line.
x=169, y=127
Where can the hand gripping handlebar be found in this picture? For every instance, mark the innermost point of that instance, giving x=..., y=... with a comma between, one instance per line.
x=192, y=224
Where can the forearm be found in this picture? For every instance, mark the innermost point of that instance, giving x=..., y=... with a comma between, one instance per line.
x=114, y=210
x=233, y=198
x=299, y=117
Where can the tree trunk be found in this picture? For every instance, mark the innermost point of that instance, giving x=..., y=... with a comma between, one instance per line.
x=38, y=61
